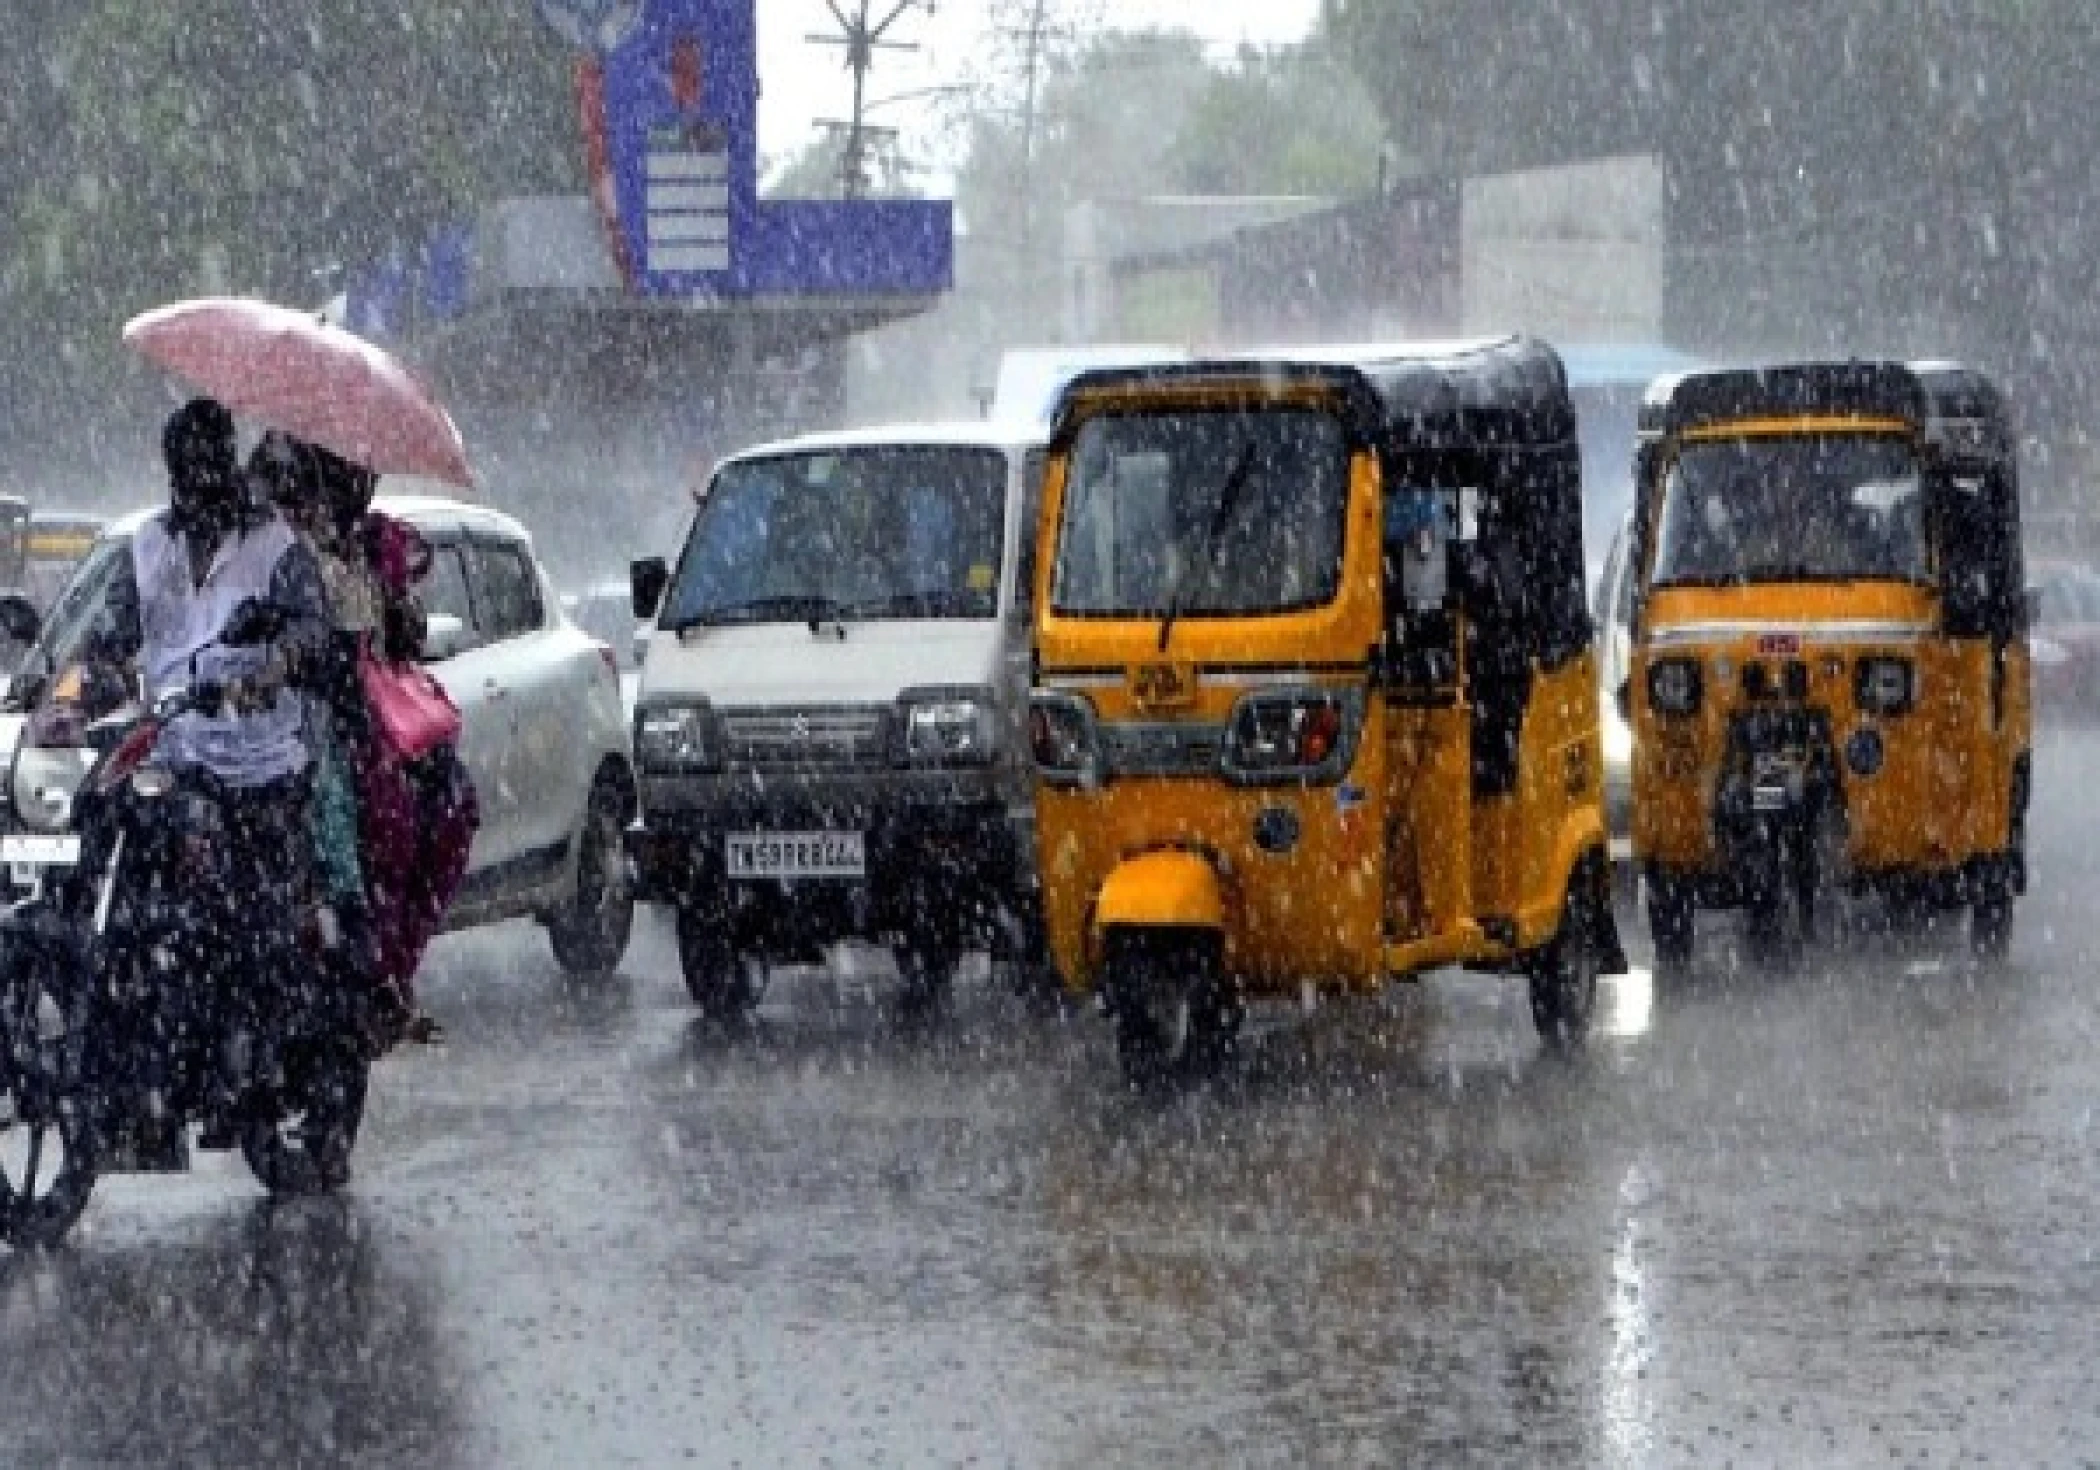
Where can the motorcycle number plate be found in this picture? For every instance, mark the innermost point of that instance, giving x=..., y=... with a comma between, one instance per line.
x=24, y=853
x=1768, y=798
x=760, y=855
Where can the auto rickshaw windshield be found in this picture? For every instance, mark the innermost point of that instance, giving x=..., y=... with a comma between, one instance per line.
x=1844, y=506
x=1202, y=513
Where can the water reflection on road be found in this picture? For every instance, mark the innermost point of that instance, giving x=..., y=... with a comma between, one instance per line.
x=1831, y=1211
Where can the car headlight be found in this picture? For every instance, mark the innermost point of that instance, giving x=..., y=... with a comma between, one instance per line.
x=946, y=727
x=1885, y=686
x=1674, y=686
x=1061, y=738
x=1293, y=735
x=680, y=739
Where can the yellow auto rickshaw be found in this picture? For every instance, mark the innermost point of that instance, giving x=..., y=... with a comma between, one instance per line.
x=1315, y=703
x=1829, y=685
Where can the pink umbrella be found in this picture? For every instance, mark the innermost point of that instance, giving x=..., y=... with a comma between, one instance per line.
x=297, y=373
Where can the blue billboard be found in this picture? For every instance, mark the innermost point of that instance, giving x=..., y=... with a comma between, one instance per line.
x=671, y=130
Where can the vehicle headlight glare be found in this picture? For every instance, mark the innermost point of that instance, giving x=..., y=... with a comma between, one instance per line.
x=1061, y=737
x=1292, y=734
x=1674, y=686
x=1885, y=686
x=676, y=738
x=947, y=729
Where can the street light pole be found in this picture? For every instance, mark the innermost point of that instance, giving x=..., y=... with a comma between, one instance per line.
x=862, y=36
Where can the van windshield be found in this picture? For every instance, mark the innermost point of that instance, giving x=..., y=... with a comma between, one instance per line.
x=850, y=535
x=1789, y=508
x=1199, y=513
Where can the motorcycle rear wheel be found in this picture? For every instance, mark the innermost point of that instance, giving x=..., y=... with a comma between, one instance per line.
x=306, y=1149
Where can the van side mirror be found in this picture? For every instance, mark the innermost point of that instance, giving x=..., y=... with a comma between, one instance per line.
x=18, y=619
x=646, y=581
x=444, y=636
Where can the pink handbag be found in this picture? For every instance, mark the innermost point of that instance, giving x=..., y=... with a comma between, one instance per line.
x=412, y=715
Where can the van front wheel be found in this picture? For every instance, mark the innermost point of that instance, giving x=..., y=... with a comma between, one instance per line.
x=716, y=976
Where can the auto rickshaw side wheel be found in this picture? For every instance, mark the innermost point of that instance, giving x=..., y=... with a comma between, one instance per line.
x=1671, y=922
x=716, y=976
x=1176, y=1015
x=1991, y=927
x=1563, y=975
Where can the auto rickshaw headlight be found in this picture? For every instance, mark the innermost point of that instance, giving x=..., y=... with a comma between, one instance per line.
x=1674, y=686
x=1293, y=735
x=1885, y=686
x=1061, y=738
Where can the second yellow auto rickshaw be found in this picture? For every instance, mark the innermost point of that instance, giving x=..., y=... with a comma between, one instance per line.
x=1830, y=676
x=1315, y=699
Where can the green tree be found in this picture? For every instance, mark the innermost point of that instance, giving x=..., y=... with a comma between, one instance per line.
x=1289, y=120
x=245, y=145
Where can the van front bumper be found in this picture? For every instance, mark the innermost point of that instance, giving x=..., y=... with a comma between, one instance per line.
x=952, y=847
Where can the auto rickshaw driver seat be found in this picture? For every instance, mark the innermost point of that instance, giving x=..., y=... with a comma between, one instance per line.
x=1498, y=670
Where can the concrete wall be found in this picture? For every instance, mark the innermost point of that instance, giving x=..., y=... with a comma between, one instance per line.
x=1574, y=252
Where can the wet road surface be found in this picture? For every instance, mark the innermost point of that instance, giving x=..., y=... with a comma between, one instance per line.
x=1841, y=1213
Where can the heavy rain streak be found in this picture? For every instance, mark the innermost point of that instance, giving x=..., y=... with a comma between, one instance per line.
x=1048, y=732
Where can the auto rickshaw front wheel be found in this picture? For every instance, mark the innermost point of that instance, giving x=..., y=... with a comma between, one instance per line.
x=1671, y=921
x=1176, y=1013
x=1991, y=926
x=1564, y=974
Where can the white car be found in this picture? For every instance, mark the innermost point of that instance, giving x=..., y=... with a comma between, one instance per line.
x=605, y=610
x=544, y=733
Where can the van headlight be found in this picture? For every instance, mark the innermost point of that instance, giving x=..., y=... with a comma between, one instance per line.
x=1885, y=686
x=1293, y=735
x=1674, y=686
x=1062, y=738
x=677, y=739
x=946, y=727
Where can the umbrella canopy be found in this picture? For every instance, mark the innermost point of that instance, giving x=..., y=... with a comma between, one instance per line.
x=297, y=373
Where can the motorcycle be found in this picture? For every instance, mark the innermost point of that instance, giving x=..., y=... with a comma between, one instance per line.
x=141, y=993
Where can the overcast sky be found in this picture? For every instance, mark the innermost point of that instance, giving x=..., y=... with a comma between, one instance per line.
x=804, y=82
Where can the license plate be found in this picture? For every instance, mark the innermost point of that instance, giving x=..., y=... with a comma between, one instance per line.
x=759, y=855
x=1768, y=798
x=24, y=853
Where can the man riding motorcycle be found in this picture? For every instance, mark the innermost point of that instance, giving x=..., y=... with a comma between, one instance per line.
x=198, y=571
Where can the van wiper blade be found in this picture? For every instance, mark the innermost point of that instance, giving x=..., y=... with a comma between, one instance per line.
x=1220, y=514
x=935, y=603
x=801, y=607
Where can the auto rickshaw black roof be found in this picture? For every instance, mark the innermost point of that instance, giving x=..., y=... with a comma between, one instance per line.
x=1949, y=403
x=1509, y=392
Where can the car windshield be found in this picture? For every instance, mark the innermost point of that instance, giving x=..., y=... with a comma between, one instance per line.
x=1202, y=513
x=854, y=534
x=1795, y=507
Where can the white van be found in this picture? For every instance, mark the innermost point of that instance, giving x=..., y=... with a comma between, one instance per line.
x=830, y=725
